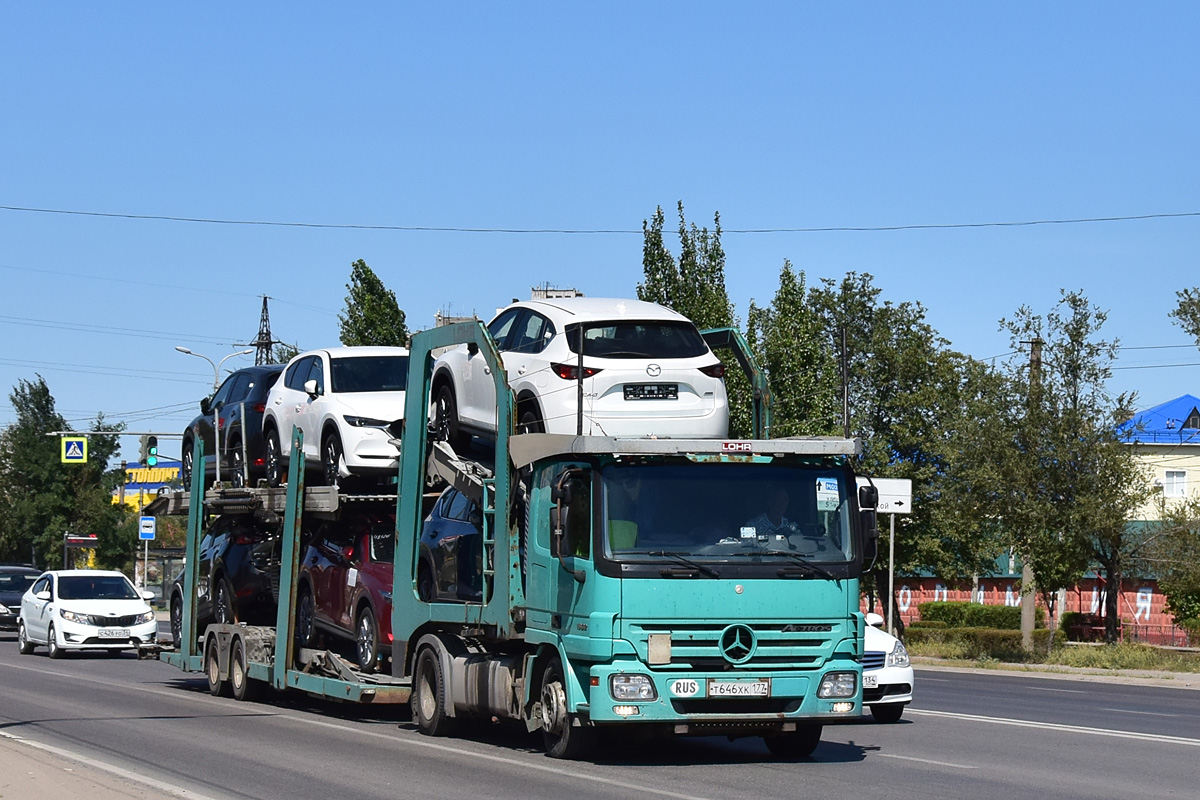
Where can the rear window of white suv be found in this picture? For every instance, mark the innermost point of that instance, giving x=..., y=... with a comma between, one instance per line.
x=631, y=339
x=369, y=374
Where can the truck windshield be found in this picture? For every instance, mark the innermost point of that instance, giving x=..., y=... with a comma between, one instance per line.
x=726, y=512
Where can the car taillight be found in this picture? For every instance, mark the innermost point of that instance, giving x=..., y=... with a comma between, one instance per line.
x=570, y=372
x=241, y=538
x=259, y=407
x=714, y=370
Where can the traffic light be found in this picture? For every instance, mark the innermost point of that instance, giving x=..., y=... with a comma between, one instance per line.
x=148, y=454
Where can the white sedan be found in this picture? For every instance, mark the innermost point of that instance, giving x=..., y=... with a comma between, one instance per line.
x=84, y=609
x=887, y=674
x=640, y=368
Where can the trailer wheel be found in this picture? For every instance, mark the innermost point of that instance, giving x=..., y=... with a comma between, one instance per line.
x=799, y=744
x=562, y=737
x=244, y=688
x=429, y=698
x=212, y=671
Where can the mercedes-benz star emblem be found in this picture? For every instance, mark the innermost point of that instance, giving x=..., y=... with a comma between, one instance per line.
x=654, y=370
x=737, y=644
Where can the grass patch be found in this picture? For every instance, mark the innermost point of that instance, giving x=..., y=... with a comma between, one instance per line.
x=1125, y=656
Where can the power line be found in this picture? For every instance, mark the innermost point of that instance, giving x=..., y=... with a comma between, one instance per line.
x=593, y=231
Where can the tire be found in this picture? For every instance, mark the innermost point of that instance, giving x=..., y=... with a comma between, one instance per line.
x=366, y=640
x=306, y=614
x=562, y=738
x=274, y=459
x=185, y=465
x=791, y=746
x=24, y=646
x=887, y=712
x=446, y=420
x=425, y=585
x=331, y=458
x=530, y=420
x=177, y=620
x=237, y=477
x=241, y=685
x=212, y=671
x=428, y=699
x=224, y=609
x=52, y=648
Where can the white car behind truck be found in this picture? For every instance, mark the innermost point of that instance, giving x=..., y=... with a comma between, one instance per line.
x=887, y=673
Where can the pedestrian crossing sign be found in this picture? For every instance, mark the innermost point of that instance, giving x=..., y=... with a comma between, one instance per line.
x=74, y=449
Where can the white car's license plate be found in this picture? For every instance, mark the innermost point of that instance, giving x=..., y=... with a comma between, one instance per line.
x=760, y=688
x=114, y=633
x=870, y=681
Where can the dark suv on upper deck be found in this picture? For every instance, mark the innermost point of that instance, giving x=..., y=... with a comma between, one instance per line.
x=239, y=403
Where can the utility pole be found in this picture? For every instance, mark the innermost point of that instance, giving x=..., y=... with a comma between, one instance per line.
x=1028, y=590
x=263, y=342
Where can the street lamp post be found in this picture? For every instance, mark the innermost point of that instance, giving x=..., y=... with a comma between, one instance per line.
x=216, y=411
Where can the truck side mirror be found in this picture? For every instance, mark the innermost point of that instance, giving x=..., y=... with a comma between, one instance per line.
x=868, y=497
x=869, y=525
x=564, y=538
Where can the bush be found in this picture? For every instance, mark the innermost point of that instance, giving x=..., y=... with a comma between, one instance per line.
x=1192, y=626
x=986, y=643
x=926, y=623
x=957, y=614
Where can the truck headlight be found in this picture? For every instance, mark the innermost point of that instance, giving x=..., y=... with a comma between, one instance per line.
x=838, y=684
x=632, y=687
x=898, y=657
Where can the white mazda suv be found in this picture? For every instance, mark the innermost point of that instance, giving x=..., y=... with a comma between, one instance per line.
x=348, y=402
x=645, y=371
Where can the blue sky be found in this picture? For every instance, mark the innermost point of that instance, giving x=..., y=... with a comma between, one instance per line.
x=561, y=116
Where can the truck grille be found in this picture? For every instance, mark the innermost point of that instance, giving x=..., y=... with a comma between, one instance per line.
x=777, y=645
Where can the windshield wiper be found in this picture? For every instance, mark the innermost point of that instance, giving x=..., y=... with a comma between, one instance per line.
x=804, y=562
x=687, y=562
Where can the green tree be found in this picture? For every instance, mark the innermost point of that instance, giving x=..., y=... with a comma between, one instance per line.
x=801, y=368
x=284, y=352
x=45, y=498
x=1187, y=312
x=1071, y=483
x=1172, y=553
x=694, y=286
x=372, y=316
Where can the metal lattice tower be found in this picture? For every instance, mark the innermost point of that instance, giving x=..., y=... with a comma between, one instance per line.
x=264, y=342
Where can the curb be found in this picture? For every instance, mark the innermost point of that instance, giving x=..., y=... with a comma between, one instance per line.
x=1167, y=680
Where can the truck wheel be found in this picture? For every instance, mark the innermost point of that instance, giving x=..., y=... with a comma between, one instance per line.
x=274, y=459
x=241, y=684
x=23, y=643
x=366, y=640
x=562, y=738
x=429, y=696
x=799, y=744
x=52, y=644
x=887, y=712
x=212, y=671
x=177, y=620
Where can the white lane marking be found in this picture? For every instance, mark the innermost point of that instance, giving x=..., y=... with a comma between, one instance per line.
x=935, y=680
x=1146, y=713
x=136, y=777
x=1054, y=726
x=1064, y=691
x=270, y=712
x=925, y=761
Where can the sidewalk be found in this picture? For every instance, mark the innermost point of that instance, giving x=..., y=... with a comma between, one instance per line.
x=33, y=772
x=1139, y=677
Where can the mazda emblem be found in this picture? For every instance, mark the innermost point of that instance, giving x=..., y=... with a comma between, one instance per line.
x=737, y=644
x=654, y=370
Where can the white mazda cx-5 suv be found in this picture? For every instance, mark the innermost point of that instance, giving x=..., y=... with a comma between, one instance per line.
x=646, y=371
x=348, y=401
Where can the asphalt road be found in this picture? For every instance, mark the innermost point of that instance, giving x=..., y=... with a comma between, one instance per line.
x=968, y=735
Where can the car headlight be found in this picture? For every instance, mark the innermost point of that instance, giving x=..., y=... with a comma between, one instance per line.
x=898, y=657
x=3, y=608
x=142, y=619
x=632, y=687
x=365, y=422
x=71, y=616
x=838, y=684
